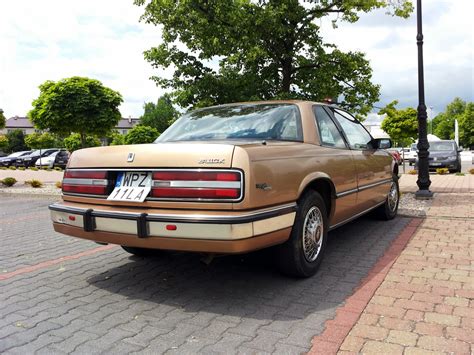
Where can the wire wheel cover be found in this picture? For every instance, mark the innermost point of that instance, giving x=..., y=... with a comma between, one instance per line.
x=313, y=229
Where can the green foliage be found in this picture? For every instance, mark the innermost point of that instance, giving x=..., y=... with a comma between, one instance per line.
x=460, y=174
x=42, y=140
x=12, y=167
x=3, y=120
x=9, y=181
x=3, y=142
x=73, y=142
x=442, y=171
x=76, y=104
x=159, y=115
x=443, y=124
x=116, y=138
x=400, y=125
x=264, y=49
x=34, y=183
x=34, y=168
x=141, y=134
x=21, y=168
x=16, y=141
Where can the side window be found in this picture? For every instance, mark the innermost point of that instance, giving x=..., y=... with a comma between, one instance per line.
x=356, y=134
x=328, y=132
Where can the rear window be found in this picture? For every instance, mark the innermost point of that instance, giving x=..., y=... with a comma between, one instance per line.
x=263, y=122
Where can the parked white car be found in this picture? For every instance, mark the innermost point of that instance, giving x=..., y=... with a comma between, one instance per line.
x=410, y=154
x=47, y=162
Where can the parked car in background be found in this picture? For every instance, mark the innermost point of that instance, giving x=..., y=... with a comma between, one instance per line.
x=232, y=179
x=2, y=154
x=30, y=159
x=411, y=154
x=58, y=158
x=62, y=159
x=396, y=155
x=444, y=154
x=10, y=160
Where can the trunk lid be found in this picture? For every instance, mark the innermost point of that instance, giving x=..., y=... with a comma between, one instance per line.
x=164, y=155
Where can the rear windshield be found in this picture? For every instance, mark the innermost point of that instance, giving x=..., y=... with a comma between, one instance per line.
x=440, y=146
x=265, y=122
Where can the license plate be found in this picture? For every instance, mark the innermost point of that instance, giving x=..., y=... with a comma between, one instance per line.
x=131, y=186
x=435, y=164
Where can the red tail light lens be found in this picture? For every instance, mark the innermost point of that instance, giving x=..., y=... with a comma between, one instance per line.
x=197, y=185
x=89, y=182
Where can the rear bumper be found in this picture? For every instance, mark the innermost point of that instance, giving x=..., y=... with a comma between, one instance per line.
x=203, y=232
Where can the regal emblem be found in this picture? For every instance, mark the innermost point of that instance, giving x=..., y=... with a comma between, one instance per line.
x=130, y=157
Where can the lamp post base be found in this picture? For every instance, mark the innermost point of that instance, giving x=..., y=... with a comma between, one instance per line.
x=423, y=195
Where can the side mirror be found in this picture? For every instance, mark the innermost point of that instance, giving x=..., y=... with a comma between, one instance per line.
x=381, y=143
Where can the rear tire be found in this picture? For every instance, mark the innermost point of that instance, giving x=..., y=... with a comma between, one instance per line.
x=140, y=251
x=302, y=253
x=390, y=208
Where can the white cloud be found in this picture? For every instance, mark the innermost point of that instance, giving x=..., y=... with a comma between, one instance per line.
x=53, y=39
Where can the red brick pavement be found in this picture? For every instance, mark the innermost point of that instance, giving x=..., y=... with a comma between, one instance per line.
x=419, y=297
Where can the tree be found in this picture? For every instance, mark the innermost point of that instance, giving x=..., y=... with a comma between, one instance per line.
x=159, y=115
x=3, y=142
x=400, y=125
x=79, y=105
x=265, y=49
x=443, y=123
x=141, y=134
x=466, y=126
x=42, y=140
x=74, y=142
x=116, y=138
x=2, y=119
x=16, y=141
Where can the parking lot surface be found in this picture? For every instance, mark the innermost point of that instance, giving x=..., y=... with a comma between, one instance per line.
x=64, y=295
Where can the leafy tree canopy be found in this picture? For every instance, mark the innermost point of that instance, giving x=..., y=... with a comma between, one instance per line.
x=76, y=104
x=141, y=134
x=159, y=115
x=265, y=49
x=400, y=125
x=2, y=119
x=443, y=123
x=16, y=141
x=3, y=142
x=42, y=140
x=73, y=142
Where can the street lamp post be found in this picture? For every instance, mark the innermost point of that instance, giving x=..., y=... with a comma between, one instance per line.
x=423, y=181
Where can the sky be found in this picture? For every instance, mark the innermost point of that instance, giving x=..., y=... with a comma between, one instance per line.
x=54, y=39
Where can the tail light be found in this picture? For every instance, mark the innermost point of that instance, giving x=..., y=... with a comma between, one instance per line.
x=197, y=185
x=86, y=182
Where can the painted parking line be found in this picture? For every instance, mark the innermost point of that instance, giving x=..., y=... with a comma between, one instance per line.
x=49, y=263
x=336, y=330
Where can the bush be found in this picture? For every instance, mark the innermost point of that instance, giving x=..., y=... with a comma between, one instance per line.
x=34, y=183
x=141, y=134
x=73, y=142
x=413, y=172
x=471, y=171
x=12, y=167
x=442, y=171
x=460, y=174
x=3, y=168
x=57, y=168
x=22, y=168
x=34, y=168
x=8, y=181
x=59, y=184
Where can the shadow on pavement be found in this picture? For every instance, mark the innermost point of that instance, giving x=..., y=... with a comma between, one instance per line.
x=249, y=285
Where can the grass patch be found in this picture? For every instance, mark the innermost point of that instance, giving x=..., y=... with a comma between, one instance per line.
x=442, y=171
x=460, y=174
x=8, y=181
x=34, y=183
x=34, y=168
x=12, y=167
x=413, y=172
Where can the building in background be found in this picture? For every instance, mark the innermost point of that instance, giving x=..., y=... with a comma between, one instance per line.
x=24, y=124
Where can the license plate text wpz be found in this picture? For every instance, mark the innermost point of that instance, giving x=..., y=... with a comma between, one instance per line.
x=132, y=187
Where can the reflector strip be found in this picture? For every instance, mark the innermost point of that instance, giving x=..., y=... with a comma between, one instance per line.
x=196, y=193
x=75, y=181
x=198, y=184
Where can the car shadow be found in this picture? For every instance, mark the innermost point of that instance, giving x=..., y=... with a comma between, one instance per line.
x=249, y=285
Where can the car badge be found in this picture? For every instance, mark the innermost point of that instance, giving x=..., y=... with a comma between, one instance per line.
x=130, y=157
x=211, y=161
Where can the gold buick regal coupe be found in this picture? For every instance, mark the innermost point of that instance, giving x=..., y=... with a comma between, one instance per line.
x=233, y=179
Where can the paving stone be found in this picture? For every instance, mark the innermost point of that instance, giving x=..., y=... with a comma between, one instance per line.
x=115, y=303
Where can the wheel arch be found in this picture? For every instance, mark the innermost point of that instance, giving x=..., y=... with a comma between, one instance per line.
x=323, y=184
